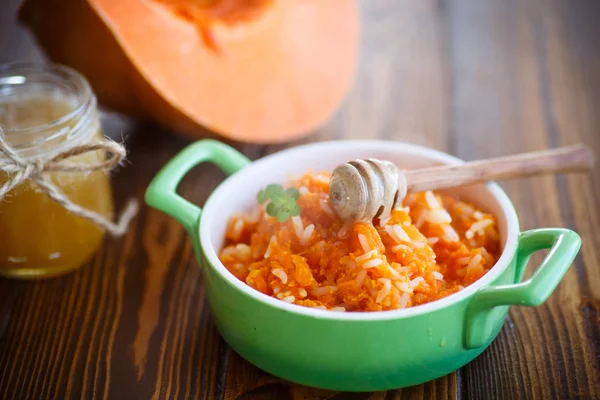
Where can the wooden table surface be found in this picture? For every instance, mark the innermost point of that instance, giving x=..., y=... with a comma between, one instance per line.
x=470, y=77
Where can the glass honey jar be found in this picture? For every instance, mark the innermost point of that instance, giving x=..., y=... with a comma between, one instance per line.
x=45, y=110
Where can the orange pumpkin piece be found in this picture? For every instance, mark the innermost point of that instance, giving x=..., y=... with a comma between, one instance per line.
x=261, y=71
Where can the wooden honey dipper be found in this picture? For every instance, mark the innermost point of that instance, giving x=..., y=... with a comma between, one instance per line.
x=365, y=189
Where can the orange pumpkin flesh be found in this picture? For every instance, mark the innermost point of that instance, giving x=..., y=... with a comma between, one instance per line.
x=260, y=71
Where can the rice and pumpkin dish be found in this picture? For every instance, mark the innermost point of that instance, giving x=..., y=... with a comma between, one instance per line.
x=431, y=246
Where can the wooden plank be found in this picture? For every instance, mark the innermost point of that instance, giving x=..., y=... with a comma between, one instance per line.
x=573, y=97
x=503, y=105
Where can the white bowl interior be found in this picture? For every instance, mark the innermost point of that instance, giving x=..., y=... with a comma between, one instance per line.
x=238, y=193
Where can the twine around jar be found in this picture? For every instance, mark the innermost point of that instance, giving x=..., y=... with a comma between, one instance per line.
x=19, y=170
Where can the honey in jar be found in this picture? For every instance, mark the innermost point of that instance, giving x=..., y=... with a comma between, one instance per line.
x=45, y=110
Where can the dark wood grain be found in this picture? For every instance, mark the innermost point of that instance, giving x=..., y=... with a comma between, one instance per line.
x=475, y=78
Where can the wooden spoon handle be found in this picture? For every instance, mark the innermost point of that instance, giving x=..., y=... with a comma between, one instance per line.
x=576, y=158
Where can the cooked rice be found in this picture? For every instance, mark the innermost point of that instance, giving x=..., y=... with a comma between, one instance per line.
x=404, y=299
x=272, y=241
x=364, y=243
x=243, y=250
x=239, y=266
x=237, y=228
x=477, y=228
x=278, y=272
x=415, y=282
x=385, y=290
x=307, y=234
x=404, y=287
x=400, y=247
x=433, y=240
x=431, y=200
x=326, y=207
x=360, y=277
x=430, y=247
x=289, y=299
x=397, y=233
x=449, y=233
x=320, y=291
x=372, y=263
x=366, y=256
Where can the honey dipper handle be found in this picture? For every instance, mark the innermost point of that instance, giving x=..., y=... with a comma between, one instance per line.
x=577, y=158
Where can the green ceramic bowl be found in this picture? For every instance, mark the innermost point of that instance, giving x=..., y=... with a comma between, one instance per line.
x=355, y=351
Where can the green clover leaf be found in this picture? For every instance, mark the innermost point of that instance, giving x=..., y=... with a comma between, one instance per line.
x=261, y=197
x=274, y=189
x=282, y=203
x=282, y=216
x=295, y=211
x=272, y=209
x=293, y=193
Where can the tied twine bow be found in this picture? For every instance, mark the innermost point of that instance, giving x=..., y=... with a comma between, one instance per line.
x=19, y=170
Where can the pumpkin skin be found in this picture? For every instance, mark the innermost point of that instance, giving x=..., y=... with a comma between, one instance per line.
x=255, y=71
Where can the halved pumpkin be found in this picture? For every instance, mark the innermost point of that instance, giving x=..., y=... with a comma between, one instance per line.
x=260, y=71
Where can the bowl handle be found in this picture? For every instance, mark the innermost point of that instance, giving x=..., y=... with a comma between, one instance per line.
x=162, y=191
x=564, y=245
